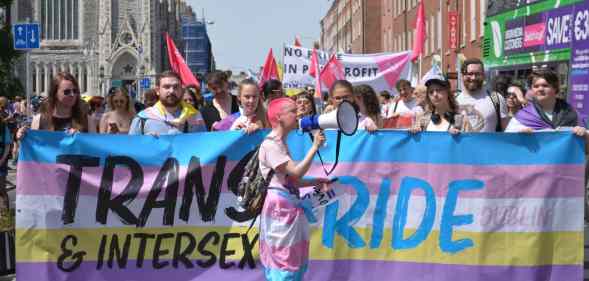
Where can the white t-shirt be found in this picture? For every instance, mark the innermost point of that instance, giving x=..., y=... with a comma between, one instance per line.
x=444, y=126
x=405, y=107
x=385, y=109
x=272, y=154
x=515, y=126
x=480, y=110
x=364, y=121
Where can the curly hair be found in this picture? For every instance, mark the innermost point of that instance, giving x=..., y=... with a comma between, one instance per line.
x=370, y=101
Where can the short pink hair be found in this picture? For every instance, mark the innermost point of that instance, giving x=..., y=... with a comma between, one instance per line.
x=275, y=108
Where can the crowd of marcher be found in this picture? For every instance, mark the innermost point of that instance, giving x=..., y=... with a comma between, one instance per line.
x=170, y=108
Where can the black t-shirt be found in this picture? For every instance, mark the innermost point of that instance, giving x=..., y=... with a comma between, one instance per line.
x=211, y=115
x=61, y=124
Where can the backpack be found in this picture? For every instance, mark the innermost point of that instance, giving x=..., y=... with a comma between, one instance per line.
x=253, y=187
x=496, y=103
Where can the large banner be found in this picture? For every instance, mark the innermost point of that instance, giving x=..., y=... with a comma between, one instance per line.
x=381, y=71
x=431, y=206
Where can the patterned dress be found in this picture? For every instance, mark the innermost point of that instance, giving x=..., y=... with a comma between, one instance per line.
x=284, y=228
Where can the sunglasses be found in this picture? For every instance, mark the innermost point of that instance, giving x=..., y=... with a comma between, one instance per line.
x=70, y=92
x=118, y=101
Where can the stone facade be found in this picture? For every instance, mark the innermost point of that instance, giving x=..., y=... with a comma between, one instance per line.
x=101, y=42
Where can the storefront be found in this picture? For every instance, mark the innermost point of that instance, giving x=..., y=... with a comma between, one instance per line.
x=551, y=34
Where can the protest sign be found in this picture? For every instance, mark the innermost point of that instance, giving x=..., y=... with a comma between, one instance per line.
x=297, y=62
x=429, y=206
x=381, y=71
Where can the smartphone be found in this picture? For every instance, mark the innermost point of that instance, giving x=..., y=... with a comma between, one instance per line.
x=113, y=127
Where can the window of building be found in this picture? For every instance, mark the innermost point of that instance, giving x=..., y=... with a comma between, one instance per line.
x=473, y=20
x=394, y=7
x=440, y=39
x=463, y=19
x=395, y=45
x=391, y=40
x=483, y=11
x=428, y=38
x=60, y=19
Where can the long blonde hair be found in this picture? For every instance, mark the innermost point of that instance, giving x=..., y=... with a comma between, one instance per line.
x=111, y=96
x=260, y=111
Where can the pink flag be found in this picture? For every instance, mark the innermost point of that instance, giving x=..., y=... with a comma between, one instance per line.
x=270, y=70
x=297, y=42
x=332, y=71
x=178, y=64
x=419, y=40
x=314, y=70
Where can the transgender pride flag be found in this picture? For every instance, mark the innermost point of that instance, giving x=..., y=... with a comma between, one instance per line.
x=428, y=206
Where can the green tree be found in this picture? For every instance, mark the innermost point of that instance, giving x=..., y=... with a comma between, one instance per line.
x=9, y=85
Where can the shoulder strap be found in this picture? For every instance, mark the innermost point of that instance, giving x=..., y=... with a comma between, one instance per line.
x=142, y=124
x=497, y=105
x=395, y=108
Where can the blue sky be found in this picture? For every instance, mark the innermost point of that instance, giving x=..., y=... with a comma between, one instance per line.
x=244, y=30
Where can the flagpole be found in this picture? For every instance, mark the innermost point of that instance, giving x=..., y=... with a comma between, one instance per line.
x=282, y=62
x=420, y=63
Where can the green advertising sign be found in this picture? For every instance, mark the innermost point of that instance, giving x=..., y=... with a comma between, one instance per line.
x=536, y=33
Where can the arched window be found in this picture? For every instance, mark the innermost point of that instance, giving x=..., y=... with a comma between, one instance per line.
x=60, y=19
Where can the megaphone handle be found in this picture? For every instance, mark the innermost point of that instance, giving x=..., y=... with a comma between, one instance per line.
x=337, y=146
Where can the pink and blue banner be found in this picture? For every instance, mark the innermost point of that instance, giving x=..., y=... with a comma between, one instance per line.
x=430, y=206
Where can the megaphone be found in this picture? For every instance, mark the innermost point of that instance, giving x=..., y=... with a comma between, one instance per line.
x=344, y=118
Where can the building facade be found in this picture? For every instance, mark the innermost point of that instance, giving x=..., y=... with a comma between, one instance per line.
x=349, y=26
x=398, y=29
x=102, y=43
x=197, y=45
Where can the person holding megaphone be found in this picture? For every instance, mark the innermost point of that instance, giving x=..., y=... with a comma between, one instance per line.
x=284, y=226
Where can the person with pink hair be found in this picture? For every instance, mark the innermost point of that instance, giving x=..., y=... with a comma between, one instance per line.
x=284, y=225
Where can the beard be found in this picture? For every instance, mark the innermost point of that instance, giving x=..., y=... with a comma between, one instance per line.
x=170, y=101
x=473, y=85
